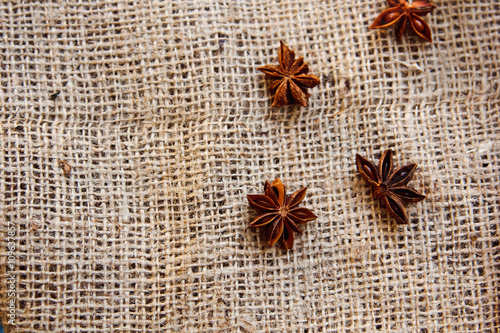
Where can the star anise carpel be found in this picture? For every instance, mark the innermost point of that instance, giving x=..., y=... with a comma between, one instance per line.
x=390, y=185
x=289, y=79
x=406, y=15
x=278, y=213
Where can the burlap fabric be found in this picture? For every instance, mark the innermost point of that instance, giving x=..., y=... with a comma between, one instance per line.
x=167, y=126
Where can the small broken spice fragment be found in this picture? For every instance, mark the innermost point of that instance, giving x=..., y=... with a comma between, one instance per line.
x=390, y=186
x=54, y=95
x=400, y=11
x=65, y=166
x=290, y=79
x=278, y=213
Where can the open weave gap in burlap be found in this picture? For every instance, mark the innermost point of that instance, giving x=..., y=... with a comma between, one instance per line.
x=167, y=126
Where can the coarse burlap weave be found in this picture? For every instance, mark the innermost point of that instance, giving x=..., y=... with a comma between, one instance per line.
x=167, y=126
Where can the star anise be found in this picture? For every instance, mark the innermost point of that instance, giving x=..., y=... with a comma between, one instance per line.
x=390, y=186
x=400, y=11
x=278, y=213
x=290, y=79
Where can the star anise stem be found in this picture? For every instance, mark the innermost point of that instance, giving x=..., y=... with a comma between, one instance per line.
x=278, y=213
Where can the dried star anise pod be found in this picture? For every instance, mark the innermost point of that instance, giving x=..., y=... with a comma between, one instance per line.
x=278, y=213
x=290, y=79
x=390, y=186
x=403, y=13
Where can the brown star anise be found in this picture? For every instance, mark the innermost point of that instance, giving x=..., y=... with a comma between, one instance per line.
x=278, y=213
x=401, y=12
x=390, y=186
x=290, y=79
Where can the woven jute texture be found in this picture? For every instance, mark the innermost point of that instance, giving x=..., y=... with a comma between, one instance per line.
x=166, y=123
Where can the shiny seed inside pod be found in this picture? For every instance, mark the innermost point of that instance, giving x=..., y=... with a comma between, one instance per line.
x=390, y=17
x=418, y=25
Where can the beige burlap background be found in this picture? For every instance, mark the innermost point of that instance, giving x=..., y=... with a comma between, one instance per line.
x=167, y=125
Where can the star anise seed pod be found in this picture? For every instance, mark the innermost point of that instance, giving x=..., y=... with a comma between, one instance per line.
x=278, y=213
x=290, y=79
x=400, y=11
x=390, y=186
